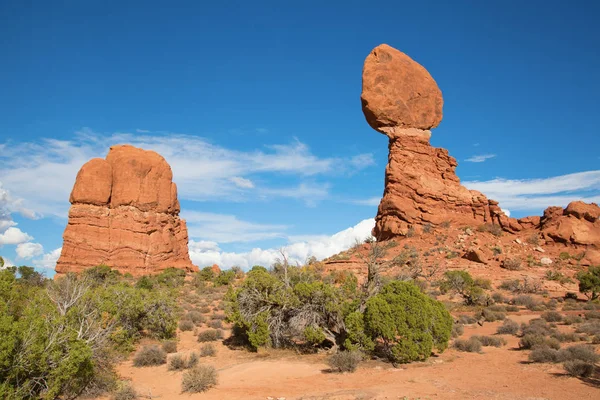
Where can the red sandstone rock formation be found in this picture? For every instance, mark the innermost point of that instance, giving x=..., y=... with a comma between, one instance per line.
x=125, y=214
x=401, y=100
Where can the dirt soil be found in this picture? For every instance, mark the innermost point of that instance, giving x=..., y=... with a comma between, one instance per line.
x=497, y=373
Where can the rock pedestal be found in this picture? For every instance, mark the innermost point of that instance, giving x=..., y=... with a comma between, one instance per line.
x=125, y=214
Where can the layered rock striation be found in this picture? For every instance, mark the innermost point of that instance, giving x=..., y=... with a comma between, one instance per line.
x=125, y=214
x=402, y=100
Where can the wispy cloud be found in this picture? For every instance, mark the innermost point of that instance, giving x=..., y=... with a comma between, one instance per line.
x=43, y=173
x=480, y=158
x=225, y=228
x=372, y=201
x=537, y=194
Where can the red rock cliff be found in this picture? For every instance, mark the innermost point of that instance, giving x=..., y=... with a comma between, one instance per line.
x=125, y=214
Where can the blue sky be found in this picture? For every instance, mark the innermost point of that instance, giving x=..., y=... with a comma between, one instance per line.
x=256, y=105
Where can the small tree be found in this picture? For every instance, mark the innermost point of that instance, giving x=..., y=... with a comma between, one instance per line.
x=589, y=282
x=462, y=282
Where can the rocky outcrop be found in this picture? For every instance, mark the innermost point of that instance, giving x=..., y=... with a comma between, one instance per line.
x=125, y=214
x=401, y=100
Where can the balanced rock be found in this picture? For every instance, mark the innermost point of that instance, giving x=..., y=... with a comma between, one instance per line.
x=578, y=224
x=401, y=99
x=125, y=214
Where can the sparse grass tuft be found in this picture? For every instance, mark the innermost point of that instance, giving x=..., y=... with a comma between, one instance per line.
x=186, y=325
x=199, y=379
x=209, y=335
x=494, y=341
x=208, y=350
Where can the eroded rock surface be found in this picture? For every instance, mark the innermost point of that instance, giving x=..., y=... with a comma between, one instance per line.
x=125, y=214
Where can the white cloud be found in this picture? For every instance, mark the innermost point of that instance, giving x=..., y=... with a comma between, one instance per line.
x=48, y=261
x=506, y=212
x=224, y=228
x=537, y=194
x=300, y=248
x=242, y=183
x=361, y=161
x=43, y=172
x=29, y=250
x=480, y=158
x=14, y=236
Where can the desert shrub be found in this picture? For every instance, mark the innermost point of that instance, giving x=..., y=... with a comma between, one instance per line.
x=592, y=315
x=579, y=368
x=171, y=277
x=497, y=308
x=209, y=335
x=176, y=362
x=500, y=298
x=208, y=350
x=186, y=325
x=511, y=264
x=512, y=308
x=149, y=356
x=199, y=379
x=582, y=352
x=206, y=274
x=494, y=229
x=344, y=361
x=124, y=391
x=551, y=304
x=591, y=306
x=567, y=337
x=195, y=316
x=218, y=316
x=527, y=285
x=526, y=300
x=192, y=360
x=533, y=340
x=205, y=309
x=572, y=319
x=216, y=324
x=408, y=323
x=472, y=345
x=508, y=327
x=457, y=330
x=533, y=239
x=224, y=278
x=466, y=319
x=589, y=282
x=513, y=285
x=572, y=305
x=552, y=316
x=462, y=282
x=491, y=316
x=537, y=326
x=590, y=328
x=494, y=341
x=544, y=354
x=169, y=346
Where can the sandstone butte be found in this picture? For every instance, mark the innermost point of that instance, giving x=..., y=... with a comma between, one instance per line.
x=125, y=214
x=402, y=100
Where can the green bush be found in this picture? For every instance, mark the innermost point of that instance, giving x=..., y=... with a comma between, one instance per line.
x=589, y=282
x=224, y=278
x=409, y=323
x=199, y=379
x=344, y=361
x=150, y=356
x=462, y=282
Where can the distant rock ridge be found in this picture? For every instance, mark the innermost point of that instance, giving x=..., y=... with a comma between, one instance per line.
x=125, y=214
x=401, y=100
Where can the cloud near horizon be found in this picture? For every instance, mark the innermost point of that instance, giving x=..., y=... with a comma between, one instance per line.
x=40, y=175
x=480, y=158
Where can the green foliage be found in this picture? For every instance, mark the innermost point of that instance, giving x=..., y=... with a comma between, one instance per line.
x=206, y=274
x=59, y=337
x=407, y=322
x=224, y=278
x=356, y=338
x=314, y=335
x=1, y=262
x=462, y=282
x=171, y=277
x=589, y=282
